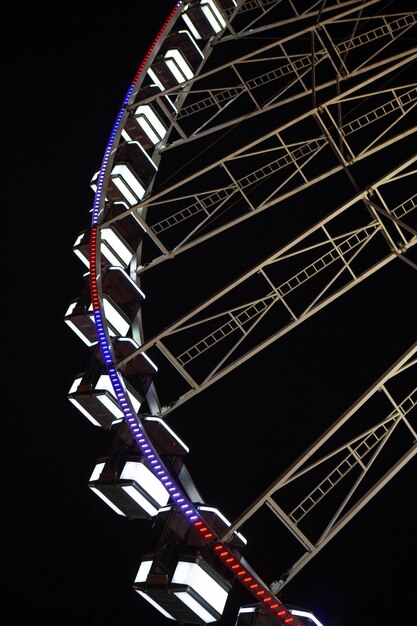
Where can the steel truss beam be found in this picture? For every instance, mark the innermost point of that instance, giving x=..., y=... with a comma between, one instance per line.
x=330, y=272
x=303, y=13
x=294, y=66
x=345, y=467
x=294, y=157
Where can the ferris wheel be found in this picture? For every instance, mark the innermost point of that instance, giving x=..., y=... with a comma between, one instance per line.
x=261, y=167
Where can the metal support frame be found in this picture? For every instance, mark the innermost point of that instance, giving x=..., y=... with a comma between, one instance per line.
x=356, y=456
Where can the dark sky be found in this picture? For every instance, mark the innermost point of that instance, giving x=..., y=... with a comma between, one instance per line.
x=70, y=560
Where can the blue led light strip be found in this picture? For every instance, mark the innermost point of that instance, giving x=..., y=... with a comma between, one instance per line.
x=98, y=200
x=131, y=418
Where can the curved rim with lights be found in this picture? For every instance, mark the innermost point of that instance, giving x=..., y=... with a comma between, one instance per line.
x=251, y=581
x=239, y=109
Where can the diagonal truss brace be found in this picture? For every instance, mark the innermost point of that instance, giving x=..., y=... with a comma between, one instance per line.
x=251, y=310
x=357, y=450
x=224, y=195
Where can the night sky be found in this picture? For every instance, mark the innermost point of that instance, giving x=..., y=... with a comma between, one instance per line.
x=69, y=558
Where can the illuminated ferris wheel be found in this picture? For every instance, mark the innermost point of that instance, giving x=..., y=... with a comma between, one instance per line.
x=261, y=166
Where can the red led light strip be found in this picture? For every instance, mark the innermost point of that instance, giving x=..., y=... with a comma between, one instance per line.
x=157, y=38
x=95, y=300
x=249, y=580
x=261, y=593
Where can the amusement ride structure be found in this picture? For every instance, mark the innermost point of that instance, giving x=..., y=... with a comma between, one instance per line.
x=262, y=165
